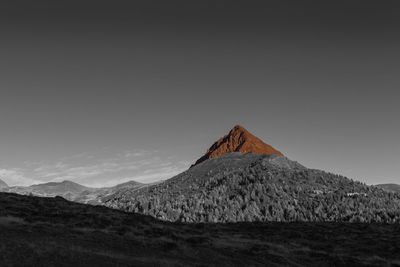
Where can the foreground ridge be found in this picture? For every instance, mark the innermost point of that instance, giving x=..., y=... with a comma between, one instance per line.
x=56, y=232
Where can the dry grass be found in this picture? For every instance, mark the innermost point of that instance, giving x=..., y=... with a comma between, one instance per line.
x=54, y=232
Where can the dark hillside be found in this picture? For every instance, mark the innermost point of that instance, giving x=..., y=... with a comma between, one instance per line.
x=250, y=187
x=37, y=231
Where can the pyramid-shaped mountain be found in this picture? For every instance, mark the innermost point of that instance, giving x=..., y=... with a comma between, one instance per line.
x=258, y=186
x=238, y=140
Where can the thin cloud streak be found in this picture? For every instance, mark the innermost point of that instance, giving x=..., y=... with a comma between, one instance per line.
x=15, y=177
x=142, y=166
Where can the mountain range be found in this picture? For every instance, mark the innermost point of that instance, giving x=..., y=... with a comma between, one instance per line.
x=235, y=186
x=240, y=178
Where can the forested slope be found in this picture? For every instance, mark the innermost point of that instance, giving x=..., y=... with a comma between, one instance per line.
x=236, y=187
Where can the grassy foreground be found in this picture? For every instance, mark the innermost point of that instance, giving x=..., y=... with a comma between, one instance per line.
x=54, y=232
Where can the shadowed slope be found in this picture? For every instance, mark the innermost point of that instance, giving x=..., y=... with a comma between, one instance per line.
x=238, y=140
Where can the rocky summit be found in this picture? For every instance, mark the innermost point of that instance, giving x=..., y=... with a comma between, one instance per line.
x=238, y=140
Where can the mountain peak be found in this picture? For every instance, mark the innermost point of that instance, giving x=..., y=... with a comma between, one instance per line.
x=239, y=128
x=239, y=139
x=240, y=131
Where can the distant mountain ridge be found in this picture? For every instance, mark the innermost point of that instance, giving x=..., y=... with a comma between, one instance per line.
x=60, y=187
x=395, y=188
x=3, y=184
x=240, y=140
x=72, y=191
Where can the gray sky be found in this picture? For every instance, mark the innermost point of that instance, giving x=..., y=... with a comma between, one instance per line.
x=101, y=92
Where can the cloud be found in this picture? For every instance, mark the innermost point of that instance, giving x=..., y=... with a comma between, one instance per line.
x=100, y=170
x=15, y=177
x=147, y=176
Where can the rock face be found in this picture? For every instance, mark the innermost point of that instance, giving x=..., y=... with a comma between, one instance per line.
x=238, y=140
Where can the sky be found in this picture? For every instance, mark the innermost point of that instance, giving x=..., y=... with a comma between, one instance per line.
x=102, y=92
